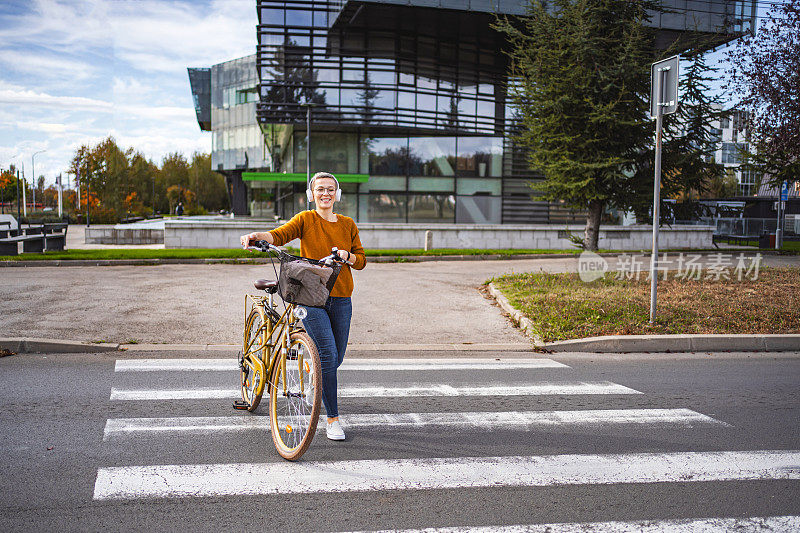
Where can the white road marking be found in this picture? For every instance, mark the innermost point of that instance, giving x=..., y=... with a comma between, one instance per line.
x=230, y=364
x=697, y=525
x=475, y=420
x=538, y=389
x=202, y=480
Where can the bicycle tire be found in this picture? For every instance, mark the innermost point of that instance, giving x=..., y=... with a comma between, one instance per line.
x=252, y=368
x=293, y=416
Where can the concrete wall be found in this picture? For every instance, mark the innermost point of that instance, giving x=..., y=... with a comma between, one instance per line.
x=459, y=236
x=111, y=235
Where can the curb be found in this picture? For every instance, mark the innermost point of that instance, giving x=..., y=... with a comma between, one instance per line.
x=29, y=345
x=654, y=343
x=679, y=343
x=523, y=322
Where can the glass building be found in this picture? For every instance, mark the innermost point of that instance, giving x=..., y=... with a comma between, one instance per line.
x=407, y=104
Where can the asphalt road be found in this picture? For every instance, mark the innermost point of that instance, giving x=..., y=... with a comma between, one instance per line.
x=394, y=303
x=725, y=426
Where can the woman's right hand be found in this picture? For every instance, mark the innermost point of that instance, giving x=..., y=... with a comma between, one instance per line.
x=256, y=236
x=247, y=239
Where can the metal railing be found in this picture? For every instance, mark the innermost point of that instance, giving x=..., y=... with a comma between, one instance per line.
x=750, y=226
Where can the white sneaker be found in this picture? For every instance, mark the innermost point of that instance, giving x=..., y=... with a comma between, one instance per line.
x=335, y=431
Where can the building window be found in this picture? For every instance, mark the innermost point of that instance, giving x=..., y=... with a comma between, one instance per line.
x=480, y=156
x=436, y=208
x=382, y=207
x=432, y=156
x=731, y=152
x=748, y=181
x=246, y=96
x=388, y=156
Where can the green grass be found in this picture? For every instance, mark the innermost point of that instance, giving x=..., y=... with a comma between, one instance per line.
x=234, y=254
x=416, y=252
x=224, y=253
x=562, y=307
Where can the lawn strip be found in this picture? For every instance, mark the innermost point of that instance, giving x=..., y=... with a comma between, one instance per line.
x=562, y=307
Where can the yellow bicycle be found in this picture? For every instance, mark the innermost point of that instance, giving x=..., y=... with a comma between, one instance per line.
x=279, y=356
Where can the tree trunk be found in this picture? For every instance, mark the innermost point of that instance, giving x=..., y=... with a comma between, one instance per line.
x=592, y=232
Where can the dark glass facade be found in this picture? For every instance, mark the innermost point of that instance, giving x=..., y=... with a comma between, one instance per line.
x=431, y=71
x=409, y=94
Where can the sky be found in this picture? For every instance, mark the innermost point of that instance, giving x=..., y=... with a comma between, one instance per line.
x=73, y=72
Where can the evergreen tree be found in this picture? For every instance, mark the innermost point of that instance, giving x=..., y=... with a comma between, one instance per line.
x=583, y=75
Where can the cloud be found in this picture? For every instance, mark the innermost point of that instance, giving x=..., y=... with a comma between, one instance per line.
x=167, y=37
x=47, y=65
x=20, y=96
x=75, y=72
x=77, y=26
x=155, y=147
x=42, y=126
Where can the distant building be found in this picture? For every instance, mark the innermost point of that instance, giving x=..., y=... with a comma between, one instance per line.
x=731, y=135
x=408, y=107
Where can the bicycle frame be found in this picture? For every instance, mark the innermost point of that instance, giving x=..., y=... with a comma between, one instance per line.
x=276, y=334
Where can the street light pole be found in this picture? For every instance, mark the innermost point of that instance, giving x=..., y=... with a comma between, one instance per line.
x=308, y=106
x=24, y=195
x=33, y=171
x=19, y=217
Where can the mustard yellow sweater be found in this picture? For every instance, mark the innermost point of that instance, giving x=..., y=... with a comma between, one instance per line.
x=317, y=237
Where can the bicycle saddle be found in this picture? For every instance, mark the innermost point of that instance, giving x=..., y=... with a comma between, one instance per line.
x=269, y=285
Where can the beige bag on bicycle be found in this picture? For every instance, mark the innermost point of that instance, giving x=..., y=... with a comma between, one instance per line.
x=305, y=284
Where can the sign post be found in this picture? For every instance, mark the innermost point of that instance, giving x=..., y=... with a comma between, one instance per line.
x=663, y=101
x=783, y=197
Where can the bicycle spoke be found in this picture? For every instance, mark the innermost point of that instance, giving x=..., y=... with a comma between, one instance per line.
x=300, y=404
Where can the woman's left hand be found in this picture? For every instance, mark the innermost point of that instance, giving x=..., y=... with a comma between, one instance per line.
x=345, y=256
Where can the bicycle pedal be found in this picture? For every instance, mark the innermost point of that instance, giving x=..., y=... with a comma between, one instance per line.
x=241, y=405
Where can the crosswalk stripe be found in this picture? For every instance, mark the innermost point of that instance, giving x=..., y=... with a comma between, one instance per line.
x=538, y=389
x=230, y=364
x=474, y=420
x=698, y=525
x=202, y=480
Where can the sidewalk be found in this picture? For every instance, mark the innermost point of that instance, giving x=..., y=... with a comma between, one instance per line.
x=425, y=305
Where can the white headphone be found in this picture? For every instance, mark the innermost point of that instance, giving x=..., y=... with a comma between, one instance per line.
x=310, y=194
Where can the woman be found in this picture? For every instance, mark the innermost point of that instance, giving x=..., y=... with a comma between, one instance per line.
x=319, y=231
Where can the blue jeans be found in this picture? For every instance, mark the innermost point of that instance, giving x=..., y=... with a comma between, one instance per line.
x=329, y=328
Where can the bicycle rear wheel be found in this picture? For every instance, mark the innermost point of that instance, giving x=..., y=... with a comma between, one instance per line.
x=252, y=368
x=295, y=398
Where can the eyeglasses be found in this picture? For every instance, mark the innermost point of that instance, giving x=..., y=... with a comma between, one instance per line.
x=323, y=190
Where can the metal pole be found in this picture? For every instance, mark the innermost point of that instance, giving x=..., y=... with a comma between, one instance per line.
x=779, y=226
x=78, y=188
x=60, y=189
x=656, y=196
x=308, y=152
x=19, y=216
x=87, y=201
x=33, y=171
x=24, y=196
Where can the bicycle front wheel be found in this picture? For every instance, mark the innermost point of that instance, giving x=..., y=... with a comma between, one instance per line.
x=252, y=368
x=295, y=397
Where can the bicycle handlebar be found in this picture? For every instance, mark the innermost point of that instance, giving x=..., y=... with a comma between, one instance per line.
x=264, y=246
